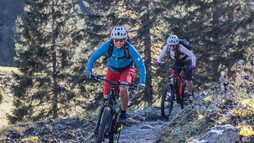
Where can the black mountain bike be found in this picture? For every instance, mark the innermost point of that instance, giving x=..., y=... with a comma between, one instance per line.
x=174, y=87
x=107, y=124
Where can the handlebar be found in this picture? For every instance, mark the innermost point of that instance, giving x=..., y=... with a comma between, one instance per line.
x=174, y=67
x=97, y=78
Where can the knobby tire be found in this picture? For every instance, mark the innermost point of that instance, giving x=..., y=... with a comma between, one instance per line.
x=167, y=100
x=103, y=125
x=113, y=129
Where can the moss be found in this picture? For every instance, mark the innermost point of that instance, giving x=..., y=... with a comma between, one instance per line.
x=32, y=139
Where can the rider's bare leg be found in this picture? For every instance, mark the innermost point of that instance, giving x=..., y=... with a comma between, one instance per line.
x=124, y=98
x=189, y=85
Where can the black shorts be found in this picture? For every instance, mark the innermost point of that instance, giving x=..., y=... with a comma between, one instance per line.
x=187, y=72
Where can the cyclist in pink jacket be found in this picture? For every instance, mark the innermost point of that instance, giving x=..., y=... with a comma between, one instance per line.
x=181, y=57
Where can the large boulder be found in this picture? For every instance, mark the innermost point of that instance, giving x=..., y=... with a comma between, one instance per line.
x=219, y=134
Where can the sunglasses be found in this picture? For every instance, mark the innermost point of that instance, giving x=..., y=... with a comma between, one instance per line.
x=121, y=40
x=172, y=45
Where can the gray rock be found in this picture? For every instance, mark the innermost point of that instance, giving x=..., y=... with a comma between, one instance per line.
x=132, y=121
x=47, y=129
x=147, y=127
x=219, y=134
x=139, y=112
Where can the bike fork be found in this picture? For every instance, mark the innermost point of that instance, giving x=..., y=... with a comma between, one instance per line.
x=99, y=118
x=109, y=127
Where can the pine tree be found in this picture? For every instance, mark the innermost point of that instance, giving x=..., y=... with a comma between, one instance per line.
x=142, y=18
x=46, y=39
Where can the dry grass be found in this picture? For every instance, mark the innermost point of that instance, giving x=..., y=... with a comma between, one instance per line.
x=5, y=84
x=8, y=69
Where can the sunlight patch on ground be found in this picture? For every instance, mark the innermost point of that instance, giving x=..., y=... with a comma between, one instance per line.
x=4, y=109
x=8, y=69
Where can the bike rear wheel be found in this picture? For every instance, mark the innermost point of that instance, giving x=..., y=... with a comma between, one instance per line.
x=167, y=100
x=104, y=124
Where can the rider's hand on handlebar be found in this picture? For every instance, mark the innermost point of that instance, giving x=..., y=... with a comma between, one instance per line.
x=157, y=64
x=141, y=86
x=87, y=74
x=192, y=67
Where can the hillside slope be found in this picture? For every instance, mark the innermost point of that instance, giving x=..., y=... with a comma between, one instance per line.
x=6, y=81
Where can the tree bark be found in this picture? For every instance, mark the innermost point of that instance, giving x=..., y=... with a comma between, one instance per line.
x=148, y=90
x=230, y=14
x=55, y=108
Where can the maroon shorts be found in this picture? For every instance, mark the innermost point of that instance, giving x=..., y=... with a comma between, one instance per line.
x=125, y=76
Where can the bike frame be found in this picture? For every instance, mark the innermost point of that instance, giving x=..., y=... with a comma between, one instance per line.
x=177, y=78
x=176, y=85
x=112, y=103
x=111, y=99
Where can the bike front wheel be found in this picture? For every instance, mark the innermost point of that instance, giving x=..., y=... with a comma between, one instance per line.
x=104, y=124
x=167, y=100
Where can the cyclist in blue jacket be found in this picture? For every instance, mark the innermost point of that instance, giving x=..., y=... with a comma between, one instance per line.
x=119, y=66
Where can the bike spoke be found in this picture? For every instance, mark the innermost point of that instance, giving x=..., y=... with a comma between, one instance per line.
x=167, y=101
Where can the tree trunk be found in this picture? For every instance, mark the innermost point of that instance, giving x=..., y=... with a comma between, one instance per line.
x=148, y=90
x=55, y=108
x=215, y=14
x=230, y=14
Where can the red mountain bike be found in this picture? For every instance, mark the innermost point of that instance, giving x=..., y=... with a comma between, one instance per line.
x=173, y=91
x=107, y=124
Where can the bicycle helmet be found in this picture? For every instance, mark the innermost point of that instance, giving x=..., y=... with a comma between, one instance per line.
x=118, y=32
x=172, y=40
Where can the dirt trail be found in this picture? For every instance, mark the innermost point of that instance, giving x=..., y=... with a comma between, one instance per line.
x=145, y=132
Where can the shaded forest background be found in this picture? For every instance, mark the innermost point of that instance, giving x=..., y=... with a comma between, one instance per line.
x=51, y=41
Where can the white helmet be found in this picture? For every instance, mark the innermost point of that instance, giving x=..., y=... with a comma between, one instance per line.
x=118, y=32
x=172, y=40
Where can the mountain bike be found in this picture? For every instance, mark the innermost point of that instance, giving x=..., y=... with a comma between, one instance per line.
x=107, y=124
x=173, y=91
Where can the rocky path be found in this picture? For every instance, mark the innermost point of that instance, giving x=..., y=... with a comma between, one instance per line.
x=144, y=126
x=146, y=132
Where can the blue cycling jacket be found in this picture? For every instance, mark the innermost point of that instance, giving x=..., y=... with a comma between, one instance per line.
x=117, y=60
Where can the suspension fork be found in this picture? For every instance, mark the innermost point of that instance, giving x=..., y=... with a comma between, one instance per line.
x=111, y=119
x=172, y=81
x=173, y=84
x=99, y=118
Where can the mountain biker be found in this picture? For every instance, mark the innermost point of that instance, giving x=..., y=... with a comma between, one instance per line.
x=181, y=57
x=120, y=68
